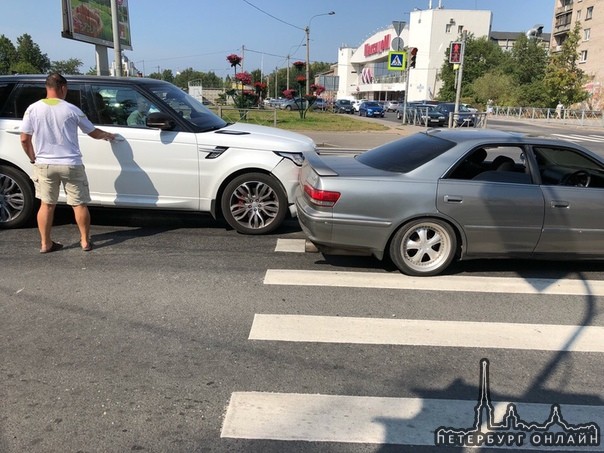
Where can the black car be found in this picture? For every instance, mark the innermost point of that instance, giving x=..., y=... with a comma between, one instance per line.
x=343, y=106
x=464, y=117
x=425, y=115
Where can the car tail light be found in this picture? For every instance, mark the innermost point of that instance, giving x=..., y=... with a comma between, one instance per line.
x=321, y=197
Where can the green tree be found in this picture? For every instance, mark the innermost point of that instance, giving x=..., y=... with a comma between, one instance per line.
x=564, y=80
x=8, y=55
x=29, y=52
x=166, y=75
x=208, y=79
x=71, y=66
x=480, y=56
x=497, y=86
x=527, y=65
x=23, y=67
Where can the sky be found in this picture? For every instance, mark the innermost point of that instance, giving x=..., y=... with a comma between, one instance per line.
x=199, y=34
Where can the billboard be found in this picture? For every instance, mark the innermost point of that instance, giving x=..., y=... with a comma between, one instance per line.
x=91, y=21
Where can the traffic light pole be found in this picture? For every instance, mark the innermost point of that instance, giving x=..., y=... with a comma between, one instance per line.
x=406, y=93
x=459, y=75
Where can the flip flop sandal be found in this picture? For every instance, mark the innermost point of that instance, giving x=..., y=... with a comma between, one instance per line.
x=56, y=246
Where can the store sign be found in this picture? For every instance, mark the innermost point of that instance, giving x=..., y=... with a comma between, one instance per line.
x=378, y=47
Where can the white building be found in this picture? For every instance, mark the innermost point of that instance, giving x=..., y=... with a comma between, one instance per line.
x=363, y=72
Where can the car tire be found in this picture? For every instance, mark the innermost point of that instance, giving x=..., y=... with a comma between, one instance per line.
x=254, y=203
x=17, y=201
x=423, y=247
x=399, y=116
x=288, y=107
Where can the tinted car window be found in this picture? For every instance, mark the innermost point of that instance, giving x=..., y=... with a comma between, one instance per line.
x=188, y=108
x=27, y=93
x=5, y=90
x=121, y=105
x=406, y=154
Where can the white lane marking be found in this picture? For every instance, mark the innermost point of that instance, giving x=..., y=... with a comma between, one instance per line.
x=580, y=138
x=290, y=245
x=417, y=332
x=440, y=283
x=370, y=420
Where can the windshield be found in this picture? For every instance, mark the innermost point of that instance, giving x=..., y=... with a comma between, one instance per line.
x=188, y=108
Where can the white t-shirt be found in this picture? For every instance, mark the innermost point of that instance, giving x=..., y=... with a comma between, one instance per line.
x=54, y=125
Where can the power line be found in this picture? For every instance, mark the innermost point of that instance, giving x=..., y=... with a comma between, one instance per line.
x=270, y=15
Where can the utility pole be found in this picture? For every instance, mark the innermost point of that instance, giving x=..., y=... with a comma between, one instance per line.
x=242, y=56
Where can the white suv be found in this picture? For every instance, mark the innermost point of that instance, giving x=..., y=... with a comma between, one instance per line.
x=184, y=158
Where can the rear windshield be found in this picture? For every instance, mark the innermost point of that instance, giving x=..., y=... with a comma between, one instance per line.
x=406, y=154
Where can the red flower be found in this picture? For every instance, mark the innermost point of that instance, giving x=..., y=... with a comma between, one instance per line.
x=317, y=89
x=234, y=59
x=244, y=77
x=300, y=79
x=299, y=65
x=289, y=94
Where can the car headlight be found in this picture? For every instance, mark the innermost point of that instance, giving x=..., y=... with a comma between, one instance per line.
x=296, y=158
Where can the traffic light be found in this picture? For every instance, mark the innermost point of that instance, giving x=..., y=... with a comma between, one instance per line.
x=455, y=53
x=411, y=57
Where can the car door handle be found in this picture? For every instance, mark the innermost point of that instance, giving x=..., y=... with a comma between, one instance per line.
x=560, y=204
x=453, y=199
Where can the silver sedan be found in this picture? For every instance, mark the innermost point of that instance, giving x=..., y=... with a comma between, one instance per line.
x=441, y=195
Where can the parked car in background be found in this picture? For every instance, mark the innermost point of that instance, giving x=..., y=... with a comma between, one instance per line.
x=425, y=115
x=446, y=194
x=392, y=106
x=343, y=106
x=464, y=117
x=276, y=102
x=184, y=158
x=293, y=104
x=371, y=108
x=470, y=108
x=357, y=103
x=319, y=104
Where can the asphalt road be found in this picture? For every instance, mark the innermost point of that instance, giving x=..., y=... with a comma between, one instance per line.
x=177, y=334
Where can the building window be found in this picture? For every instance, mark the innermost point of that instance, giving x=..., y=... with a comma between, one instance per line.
x=567, y=2
x=578, y=14
x=583, y=58
x=448, y=28
x=589, y=13
x=460, y=29
x=586, y=34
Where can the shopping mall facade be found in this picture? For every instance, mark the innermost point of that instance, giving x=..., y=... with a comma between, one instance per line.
x=363, y=73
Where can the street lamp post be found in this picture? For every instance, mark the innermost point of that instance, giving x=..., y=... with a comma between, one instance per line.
x=307, y=31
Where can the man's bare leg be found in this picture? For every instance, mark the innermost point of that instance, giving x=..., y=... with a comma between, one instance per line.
x=46, y=215
x=82, y=218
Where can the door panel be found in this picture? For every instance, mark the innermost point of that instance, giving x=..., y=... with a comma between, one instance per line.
x=497, y=217
x=573, y=220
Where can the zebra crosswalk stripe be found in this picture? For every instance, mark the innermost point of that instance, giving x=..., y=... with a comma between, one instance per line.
x=417, y=332
x=365, y=419
x=579, y=138
x=515, y=285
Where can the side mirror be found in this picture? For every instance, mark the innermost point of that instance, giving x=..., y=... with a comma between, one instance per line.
x=160, y=120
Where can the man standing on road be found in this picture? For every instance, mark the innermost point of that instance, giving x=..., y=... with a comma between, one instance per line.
x=559, y=109
x=53, y=124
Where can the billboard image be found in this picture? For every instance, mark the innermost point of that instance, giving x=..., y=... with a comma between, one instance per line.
x=91, y=21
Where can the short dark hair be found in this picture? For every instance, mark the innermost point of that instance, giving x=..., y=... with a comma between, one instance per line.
x=55, y=80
